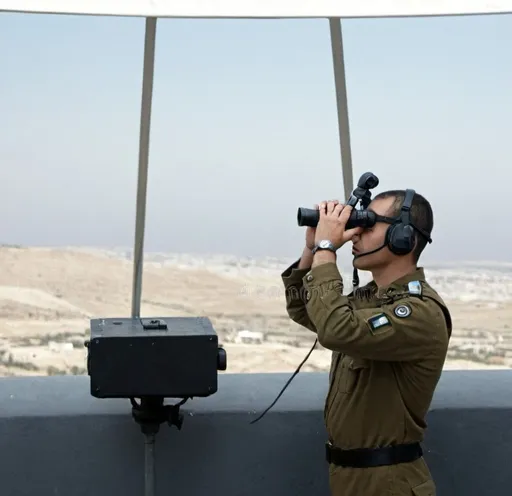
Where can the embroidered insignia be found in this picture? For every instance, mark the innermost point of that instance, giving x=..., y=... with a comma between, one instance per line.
x=403, y=311
x=377, y=322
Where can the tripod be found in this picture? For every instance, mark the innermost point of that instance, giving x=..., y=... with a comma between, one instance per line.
x=149, y=414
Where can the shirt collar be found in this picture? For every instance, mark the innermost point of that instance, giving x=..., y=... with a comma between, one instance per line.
x=399, y=284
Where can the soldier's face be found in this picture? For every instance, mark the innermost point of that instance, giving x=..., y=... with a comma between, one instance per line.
x=373, y=238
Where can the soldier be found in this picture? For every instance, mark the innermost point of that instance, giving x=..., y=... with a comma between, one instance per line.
x=388, y=339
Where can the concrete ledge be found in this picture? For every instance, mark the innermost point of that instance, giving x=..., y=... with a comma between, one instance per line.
x=57, y=440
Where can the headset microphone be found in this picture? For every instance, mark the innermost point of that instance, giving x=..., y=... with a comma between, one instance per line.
x=358, y=255
x=355, y=275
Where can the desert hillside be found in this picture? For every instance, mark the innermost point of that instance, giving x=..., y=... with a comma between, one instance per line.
x=48, y=295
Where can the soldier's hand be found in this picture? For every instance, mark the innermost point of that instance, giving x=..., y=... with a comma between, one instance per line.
x=310, y=234
x=333, y=219
x=311, y=231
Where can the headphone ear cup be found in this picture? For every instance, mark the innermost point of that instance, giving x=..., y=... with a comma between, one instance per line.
x=401, y=239
x=389, y=236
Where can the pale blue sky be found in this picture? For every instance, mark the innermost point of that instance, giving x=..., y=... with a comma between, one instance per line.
x=244, y=129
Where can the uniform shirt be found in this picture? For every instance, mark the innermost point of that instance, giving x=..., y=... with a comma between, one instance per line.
x=388, y=345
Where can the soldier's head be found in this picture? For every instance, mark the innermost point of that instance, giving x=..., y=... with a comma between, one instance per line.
x=388, y=204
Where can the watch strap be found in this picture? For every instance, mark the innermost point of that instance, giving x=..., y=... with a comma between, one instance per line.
x=324, y=245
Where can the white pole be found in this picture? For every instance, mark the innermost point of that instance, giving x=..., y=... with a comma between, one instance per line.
x=145, y=124
x=342, y=105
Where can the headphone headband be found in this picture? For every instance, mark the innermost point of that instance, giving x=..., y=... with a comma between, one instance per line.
x=405, y=213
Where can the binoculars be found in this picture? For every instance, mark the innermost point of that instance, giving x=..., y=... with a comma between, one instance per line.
x=358, y=218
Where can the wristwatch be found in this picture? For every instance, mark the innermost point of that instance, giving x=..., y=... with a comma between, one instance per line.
x=324, y=244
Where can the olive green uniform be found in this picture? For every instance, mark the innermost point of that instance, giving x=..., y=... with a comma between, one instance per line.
x=389, y=346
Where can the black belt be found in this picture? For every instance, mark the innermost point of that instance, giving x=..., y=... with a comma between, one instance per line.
x=373, y=457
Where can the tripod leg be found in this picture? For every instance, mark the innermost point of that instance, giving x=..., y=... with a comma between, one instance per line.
x=149, y=465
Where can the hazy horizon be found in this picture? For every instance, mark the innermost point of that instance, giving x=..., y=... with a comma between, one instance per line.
x=344, y=256
x=244, y=129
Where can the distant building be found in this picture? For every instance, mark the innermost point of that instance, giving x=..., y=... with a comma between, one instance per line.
x=249, y=337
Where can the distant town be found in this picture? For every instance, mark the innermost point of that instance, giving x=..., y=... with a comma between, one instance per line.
x=48, y=295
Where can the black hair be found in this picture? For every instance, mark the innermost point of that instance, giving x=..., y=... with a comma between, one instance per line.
x=421, y=215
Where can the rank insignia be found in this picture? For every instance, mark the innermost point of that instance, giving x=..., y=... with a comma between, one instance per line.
x=414, y=288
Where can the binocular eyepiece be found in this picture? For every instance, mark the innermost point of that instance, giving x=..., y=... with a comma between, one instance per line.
x=358, y=218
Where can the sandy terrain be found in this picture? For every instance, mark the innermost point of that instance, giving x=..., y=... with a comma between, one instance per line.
x=47, y=297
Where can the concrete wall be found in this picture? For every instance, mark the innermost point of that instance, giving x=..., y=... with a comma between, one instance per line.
x=56, y=440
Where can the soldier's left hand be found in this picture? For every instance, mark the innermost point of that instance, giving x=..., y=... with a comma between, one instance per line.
x=333, y=219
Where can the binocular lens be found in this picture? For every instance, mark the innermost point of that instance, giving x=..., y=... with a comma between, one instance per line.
x=308, y=217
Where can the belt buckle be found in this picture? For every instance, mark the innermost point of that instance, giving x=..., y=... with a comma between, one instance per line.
x=328, y=446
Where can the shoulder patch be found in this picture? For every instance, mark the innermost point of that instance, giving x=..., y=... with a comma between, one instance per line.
x=402, y=311
x=415, y=288
x=378, y=323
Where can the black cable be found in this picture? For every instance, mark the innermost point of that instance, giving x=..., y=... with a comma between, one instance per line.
x=287, y=383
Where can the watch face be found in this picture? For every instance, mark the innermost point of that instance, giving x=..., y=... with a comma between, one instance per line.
x=324, y=244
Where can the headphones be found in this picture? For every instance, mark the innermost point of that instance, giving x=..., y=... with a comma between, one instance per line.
x=400, y=235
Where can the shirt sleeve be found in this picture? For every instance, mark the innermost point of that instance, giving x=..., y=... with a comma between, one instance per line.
x=407, y=329
x=295, y=295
